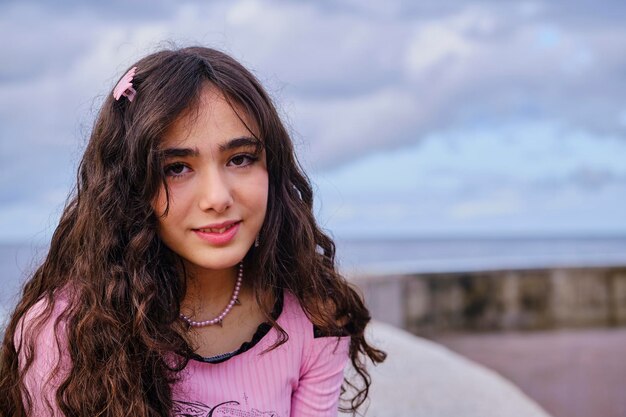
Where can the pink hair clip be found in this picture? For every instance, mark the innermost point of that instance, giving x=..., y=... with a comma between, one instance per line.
x=125, y=86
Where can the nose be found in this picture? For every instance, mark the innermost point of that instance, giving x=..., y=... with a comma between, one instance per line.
x=214, y=192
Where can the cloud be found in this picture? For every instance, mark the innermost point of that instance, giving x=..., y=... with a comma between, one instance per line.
x=511, y=179
x=352, y=78
x=338, y=65
x=23, y=220
x=345, y=128
x=496, y=205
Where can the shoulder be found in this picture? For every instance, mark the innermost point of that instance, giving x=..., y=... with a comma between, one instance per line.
x=41, y=321
x=295, y=316
x=324, y=358
x=42, y=351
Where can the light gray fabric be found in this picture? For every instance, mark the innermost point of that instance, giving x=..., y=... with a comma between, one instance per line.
x=421, y=378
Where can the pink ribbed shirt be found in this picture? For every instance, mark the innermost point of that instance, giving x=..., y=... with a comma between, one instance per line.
x=302, y=377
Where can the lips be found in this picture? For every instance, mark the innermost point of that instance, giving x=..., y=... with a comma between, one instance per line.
x=218, y=233
x=217, y=227
x=216, y=230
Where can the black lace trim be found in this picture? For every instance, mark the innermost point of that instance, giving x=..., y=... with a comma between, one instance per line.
x=261, y=331
x=317, y=333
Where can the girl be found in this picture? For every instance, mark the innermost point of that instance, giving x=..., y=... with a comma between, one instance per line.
x=187, y=275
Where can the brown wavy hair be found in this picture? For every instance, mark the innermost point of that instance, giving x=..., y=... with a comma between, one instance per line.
x=127, y=286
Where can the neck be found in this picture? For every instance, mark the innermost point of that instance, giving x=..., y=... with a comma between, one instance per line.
x=208, y=291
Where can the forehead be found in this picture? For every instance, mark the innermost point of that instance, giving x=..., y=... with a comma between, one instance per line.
x=211, y=118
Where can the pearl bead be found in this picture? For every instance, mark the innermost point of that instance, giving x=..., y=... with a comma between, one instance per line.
x=223, y=314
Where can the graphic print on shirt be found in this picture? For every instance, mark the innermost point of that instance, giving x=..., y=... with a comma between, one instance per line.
x=224, y=409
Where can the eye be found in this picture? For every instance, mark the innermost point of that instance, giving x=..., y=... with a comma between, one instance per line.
x=242, y=160
x=175, y=170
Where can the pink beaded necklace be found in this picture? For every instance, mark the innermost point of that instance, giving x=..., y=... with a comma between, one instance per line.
x=234, y=300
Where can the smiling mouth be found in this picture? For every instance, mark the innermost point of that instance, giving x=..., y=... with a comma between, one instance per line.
x=217, y=230
x=218, y=236
x=220, y=230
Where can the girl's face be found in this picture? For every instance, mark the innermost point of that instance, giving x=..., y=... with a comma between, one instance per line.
x=218, y=184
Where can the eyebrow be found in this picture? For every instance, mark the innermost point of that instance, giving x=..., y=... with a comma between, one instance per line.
x=236, y=143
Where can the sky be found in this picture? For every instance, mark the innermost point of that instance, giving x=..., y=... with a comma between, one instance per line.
x=412, y=118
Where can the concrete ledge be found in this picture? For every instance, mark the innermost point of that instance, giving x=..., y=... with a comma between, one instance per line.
x=423, y=379
x=532, y=299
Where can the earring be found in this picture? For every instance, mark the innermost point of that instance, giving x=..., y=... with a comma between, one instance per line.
x=256, y=241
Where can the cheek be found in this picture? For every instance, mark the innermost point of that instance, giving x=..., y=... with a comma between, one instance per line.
x=261, y=191
x=180, y=198
x=253, y=195
x=159, y=203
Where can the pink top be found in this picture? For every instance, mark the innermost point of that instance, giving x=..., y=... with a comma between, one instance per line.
x=302, y=377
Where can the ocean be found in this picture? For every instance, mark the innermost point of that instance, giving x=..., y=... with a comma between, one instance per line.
x=393, y=256
x=438, y=255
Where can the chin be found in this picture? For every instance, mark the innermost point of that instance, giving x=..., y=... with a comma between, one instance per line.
x=219, y=261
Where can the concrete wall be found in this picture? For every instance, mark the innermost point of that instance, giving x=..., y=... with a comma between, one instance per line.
x=530, y=299
x=421, y=378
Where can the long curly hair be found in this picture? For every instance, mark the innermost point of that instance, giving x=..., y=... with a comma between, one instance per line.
x=127, y=286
